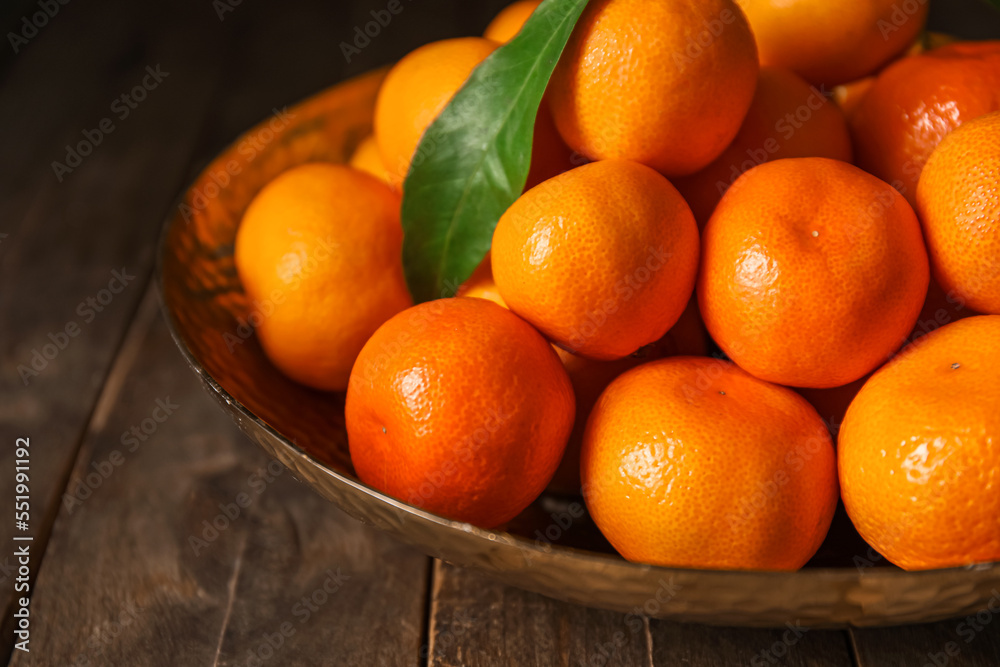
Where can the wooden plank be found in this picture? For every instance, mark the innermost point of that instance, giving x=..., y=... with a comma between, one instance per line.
x=196, y=549
x=261, y=73
x=972, y=641
x=916, y=646
x=793, y=646
x=77, y=251
x=476, y=622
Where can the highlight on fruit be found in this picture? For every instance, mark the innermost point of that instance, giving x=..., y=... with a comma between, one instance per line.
x=675, y=258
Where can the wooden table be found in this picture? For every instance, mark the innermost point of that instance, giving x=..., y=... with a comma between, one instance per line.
x=131, y=463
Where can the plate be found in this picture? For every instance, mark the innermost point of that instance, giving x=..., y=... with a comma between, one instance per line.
x=552, y=548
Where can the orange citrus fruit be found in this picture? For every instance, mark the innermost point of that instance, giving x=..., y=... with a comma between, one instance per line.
x=661, y=82
x=787, y=118
x=958, y=201
x=318, y=253
x=692, y=462
x=481, y=285
x=601, y=259
x=485, y=290
x=367, y=158
x=915, y=102
x=938, y=310
x=813, y=272
x=848, y=95
x=510, y=20
x=919, y=451
x=459, y=407
x=829, y=42
x=550, y=156
x=590, y=378
x=416, y=90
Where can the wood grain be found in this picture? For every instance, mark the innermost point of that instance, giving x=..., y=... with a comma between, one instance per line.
x=107, y=212
x=973, y=641
x=66, y=240
x=476, y=622
x=198, y=550
x=122, y=583
x=678, y=644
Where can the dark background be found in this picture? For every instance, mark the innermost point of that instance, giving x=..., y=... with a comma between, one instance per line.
x=60, y=240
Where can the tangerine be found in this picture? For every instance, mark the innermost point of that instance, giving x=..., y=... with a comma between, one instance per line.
x=459, y=407
x=919, y=450
x=692, y=462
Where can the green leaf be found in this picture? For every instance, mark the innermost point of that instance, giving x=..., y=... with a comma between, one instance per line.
x=473, y=160
x=995, y=3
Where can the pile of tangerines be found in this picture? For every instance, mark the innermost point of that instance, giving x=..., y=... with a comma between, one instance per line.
x=808, y=182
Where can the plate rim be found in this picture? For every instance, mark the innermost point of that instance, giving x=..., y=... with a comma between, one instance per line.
x=843, y=575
